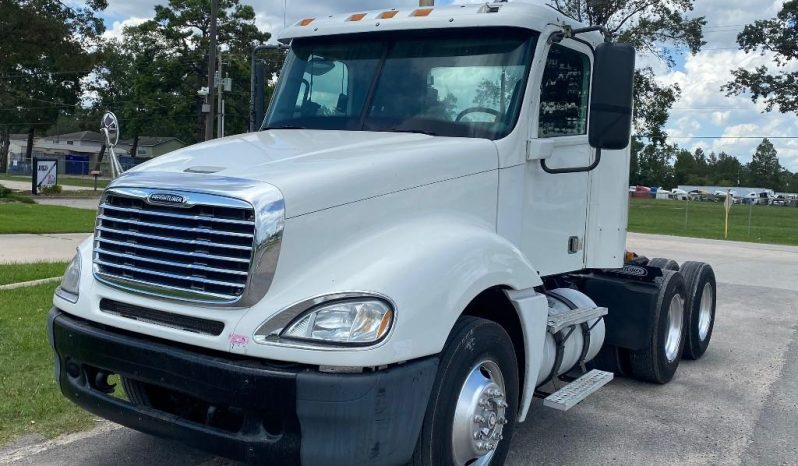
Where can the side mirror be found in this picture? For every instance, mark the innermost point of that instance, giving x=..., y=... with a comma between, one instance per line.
x=611, y=96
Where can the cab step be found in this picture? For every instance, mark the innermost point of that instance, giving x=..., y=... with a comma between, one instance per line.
x=557, y=322
x=576, y=391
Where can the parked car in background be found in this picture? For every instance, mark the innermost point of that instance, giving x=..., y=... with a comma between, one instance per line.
x=679, y=194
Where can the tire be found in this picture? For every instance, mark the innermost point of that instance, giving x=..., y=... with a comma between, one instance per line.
x=700, y=306
x=612, y=359
x=473, y=343
x=664, y=264
x=658, y=361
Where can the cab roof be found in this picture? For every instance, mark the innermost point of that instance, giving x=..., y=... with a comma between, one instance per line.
x=499, y=14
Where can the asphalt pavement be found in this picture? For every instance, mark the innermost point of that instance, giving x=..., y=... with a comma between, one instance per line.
x=737, y=405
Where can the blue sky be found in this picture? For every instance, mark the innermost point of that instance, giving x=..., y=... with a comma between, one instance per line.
x=703, y=109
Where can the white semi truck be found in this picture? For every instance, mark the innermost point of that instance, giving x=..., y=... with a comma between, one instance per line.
x=426, y=234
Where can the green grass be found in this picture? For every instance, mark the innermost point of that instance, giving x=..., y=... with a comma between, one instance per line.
x=31, y=402
x=32, y=218
x=769, y=224
x=63, y=180
x=7, y=196
x=18, y=273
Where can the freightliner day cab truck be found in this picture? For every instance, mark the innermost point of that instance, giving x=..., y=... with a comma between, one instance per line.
x=426, y=234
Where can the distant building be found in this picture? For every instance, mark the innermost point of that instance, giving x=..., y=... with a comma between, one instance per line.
x=77, y=153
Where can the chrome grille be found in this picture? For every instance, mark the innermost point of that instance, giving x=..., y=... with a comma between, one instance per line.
x=199, y=251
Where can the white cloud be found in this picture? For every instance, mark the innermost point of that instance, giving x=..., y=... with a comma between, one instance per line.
x=116, y=29
x=705, y=110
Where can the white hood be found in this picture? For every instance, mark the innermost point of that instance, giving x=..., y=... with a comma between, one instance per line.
x=317, y=170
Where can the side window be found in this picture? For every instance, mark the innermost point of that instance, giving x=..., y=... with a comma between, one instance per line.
x=564, y=93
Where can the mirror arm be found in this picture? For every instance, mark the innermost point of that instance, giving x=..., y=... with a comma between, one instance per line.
x=559, y=171
x=255, y=50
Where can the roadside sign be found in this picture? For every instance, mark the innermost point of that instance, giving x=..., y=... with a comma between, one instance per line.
x=45, y=174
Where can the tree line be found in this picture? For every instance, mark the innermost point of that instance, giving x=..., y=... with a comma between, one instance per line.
x=59, y=73
x=666, y=165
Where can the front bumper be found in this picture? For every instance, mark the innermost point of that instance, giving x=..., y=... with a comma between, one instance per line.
x=244, y=408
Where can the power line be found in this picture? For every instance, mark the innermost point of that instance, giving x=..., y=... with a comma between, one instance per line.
x=732, y=137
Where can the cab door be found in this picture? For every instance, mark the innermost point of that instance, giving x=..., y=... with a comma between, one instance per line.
x=555, y=205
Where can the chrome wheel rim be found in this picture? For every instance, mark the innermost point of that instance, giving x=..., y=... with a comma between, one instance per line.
x=673, y=338
x=705, y=311
x=479, y=416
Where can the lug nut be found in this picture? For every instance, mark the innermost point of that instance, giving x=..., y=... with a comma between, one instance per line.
x=478, y=419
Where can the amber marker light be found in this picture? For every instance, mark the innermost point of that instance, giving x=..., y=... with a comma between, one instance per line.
x=306, y=21
x=357, y=17
x=422, y=12
x=388, y=14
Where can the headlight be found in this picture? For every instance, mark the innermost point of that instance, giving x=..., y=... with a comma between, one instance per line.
x=344, y=322
x=70, y=284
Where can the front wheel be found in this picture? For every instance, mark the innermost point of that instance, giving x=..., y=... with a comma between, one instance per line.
x=472, y=409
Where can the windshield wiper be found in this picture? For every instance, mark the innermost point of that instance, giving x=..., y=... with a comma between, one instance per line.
x=284, y=127
x=415, y=131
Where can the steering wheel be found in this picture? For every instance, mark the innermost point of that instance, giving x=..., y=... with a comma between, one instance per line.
x=469, y=110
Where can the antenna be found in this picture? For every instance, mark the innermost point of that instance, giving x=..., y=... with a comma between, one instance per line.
x=285, y=11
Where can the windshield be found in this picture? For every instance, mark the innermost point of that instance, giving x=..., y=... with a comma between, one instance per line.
x=467, y=83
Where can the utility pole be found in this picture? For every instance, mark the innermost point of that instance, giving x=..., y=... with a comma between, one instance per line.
x=211, y=71
x=219, y=102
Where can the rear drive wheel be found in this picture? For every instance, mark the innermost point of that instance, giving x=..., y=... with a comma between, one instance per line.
x=472, y=409
x=664, y=264
x=699, y=280
x=657, y=362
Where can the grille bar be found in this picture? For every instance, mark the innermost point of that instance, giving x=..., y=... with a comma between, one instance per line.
x=173, y=240
x=202, y=268
x=155, y=213
x=189, y=278
x=197, y=255
x=200, y=250
x=155, y=287
x=162, y=226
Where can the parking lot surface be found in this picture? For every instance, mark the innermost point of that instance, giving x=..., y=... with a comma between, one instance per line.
x=737, y=405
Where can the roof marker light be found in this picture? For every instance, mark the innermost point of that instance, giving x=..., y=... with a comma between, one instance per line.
x=422, y=12
x=388, y=14
x=306, y=21
x=357, y=17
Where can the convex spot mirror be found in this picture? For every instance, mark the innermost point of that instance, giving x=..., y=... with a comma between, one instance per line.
x=109, y=126
x=611, y=96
